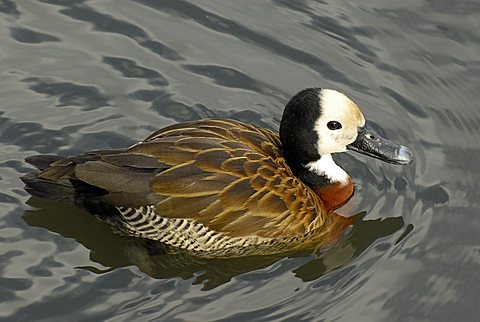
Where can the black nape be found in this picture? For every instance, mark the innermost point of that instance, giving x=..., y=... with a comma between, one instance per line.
x=298, y=136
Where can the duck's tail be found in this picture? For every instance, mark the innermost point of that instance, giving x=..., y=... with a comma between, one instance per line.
x=52, y=185
x=42, y=161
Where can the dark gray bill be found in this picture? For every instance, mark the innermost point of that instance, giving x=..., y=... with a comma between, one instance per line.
x=368, y=142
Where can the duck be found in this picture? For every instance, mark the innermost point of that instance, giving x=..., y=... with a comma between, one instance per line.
x=221, y=187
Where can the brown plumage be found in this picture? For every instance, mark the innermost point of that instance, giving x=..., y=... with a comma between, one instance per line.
x=229, y=176
x=215, y=187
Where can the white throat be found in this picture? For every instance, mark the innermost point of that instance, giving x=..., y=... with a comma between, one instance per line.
x=325, y=166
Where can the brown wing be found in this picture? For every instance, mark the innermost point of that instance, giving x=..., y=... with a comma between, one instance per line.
x=230, y=177
x=227, y=175
x=123, y=176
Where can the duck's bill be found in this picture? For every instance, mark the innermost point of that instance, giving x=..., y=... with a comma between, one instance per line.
x=368, y=142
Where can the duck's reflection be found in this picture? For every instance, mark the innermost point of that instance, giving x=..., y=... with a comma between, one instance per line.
x=113, y=251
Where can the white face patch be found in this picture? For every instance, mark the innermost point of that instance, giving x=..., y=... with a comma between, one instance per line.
x=325, y=166
x=335, y=106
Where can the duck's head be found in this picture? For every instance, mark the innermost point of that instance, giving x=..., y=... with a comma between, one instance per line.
x=318, y=122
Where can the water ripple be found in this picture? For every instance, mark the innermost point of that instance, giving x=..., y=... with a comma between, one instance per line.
x=220, y=24
x=69, y=94
x=30, y=36
x=129, y=68
x=9, y=7
x=107, y=23
x=81, y=75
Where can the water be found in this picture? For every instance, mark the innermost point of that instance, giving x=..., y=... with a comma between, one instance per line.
x=80, y=75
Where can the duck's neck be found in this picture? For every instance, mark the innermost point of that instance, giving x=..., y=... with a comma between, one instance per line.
x=327, y=168
x=329, y=181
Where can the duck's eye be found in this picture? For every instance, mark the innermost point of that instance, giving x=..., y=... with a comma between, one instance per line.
x=334, y=125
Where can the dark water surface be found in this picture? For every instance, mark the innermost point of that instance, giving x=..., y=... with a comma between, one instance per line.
x=80, y=75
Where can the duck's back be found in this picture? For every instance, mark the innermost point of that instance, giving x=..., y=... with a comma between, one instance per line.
x=203, y=186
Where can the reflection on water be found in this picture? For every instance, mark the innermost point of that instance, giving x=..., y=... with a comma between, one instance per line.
x=84, y=75
x=114, y=251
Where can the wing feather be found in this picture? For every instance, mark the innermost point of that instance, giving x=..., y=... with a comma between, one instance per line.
x=229, y=176
x=233, y=179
